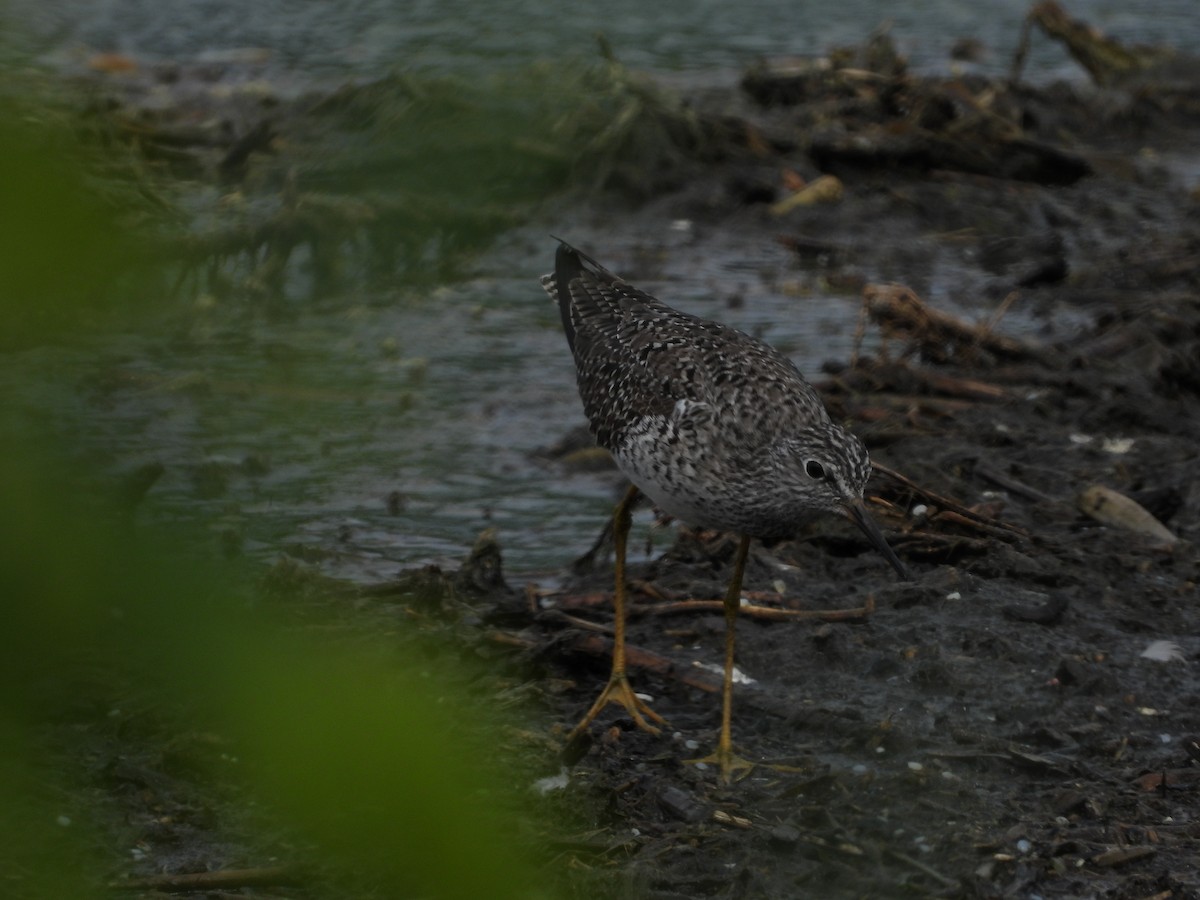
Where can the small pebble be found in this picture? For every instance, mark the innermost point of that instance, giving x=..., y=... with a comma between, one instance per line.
x=783, y=835
x=681, y=805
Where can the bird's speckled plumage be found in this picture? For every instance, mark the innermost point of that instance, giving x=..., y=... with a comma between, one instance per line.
x=716, y=427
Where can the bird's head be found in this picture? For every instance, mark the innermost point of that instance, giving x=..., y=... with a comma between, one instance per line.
x=830, y=466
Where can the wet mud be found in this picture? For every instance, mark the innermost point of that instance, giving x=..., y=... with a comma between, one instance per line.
x=1019, y=718
x=1007, y=723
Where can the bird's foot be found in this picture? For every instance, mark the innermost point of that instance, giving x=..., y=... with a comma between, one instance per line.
x=732, y=767
x=618, y=690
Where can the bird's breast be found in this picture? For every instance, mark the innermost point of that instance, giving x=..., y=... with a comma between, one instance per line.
x=705, y=489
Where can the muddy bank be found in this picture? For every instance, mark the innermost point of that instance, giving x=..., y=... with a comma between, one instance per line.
x=1008, y=723
x=1011, y=723
x=1019, y=719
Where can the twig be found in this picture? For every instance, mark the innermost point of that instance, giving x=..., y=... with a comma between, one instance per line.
x=955, y=517
x=860, y=330
x=772, y=613
x=929, y=542
x=933, y=873
x=601, y=647
x=576, y=622
x=899, y=307
x=598, y=645
x=968, y=388
x=668, y=607
x=995, y=318
x=988, y=473
x=947, y=503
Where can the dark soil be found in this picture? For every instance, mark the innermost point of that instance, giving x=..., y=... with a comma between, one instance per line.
x=992, y=728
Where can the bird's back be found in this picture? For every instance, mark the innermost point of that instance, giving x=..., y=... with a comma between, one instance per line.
x=637, y=358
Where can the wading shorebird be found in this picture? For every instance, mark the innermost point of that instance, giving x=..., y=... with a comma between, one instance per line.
x=715, y=427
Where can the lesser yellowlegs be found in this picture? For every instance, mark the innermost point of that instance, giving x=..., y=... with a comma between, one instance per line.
x=715, y=427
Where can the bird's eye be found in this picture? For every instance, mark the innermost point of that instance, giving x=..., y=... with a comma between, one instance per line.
x=814, y=469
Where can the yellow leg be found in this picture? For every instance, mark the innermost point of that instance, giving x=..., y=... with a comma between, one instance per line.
x=618, y=689
x=724, y=756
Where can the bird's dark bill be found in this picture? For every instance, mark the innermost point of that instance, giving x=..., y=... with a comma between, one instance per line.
x=858, y=515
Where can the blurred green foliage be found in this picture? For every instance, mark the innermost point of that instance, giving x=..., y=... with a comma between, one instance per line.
x=347, y=745
x=42, y=854
x=397, y=180
x=63, y=250
x=355, y=749
x=381, y=767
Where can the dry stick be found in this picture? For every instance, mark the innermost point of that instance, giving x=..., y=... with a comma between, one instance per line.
x=600, y=646
x=584, y=601
x=999, y=314
x=651, y=590
x=209, y=881
x=1018, y=63
x=772, y=613
x=901, y=305
x=947, y=503
x=586, y=625
x=988, y=473
x=943, y=407
x=950, y=515
x=922, y=867
x=928, y=541
x=960, y=393
x=596, y=645
x=968, y=388
x=984, y=330
x=860, y=330
x=532, y=595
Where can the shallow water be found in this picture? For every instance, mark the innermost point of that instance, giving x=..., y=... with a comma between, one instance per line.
x=392, y=432
x=469, y=36
x=295, y=433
